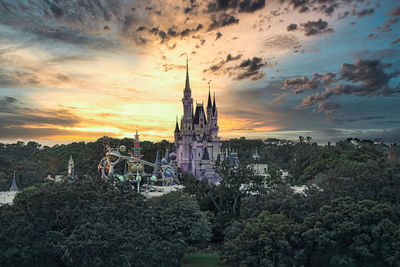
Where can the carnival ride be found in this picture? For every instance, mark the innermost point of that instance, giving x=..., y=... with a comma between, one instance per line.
x=163, y=177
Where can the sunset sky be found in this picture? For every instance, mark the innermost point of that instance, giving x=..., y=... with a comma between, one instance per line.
x=77, y=70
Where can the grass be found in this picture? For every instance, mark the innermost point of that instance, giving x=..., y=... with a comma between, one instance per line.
x=201, y=260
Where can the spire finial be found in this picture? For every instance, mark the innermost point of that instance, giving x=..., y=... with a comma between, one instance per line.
x=214, y=106
x=187, y=85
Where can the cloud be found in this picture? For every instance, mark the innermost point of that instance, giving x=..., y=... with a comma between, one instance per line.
x=291, y=27
x=282, y=41
x=251, y=5
x=241, y=6
x=222, y=20
x=364, y=78
x=16, y=114
x=328, y=107
x=363, y=12
x=316, y=27
x=395, y=41
x=250, y=69
x=299, y=85
x=219, y=65
x=30, y=77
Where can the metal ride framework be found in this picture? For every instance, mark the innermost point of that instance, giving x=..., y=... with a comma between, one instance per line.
x=164, y=174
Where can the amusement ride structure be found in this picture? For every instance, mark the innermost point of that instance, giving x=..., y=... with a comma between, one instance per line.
x=165, y=171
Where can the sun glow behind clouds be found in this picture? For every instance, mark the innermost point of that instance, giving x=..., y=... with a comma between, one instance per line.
x=105, y=82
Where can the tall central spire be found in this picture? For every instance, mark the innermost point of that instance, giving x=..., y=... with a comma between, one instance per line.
x=209, y=104
x=187, y=86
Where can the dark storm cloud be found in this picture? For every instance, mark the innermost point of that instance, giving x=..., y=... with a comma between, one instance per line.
x=327, y=7
x=229, y=57
x=241, y=6
x=250, y=69
x=364, y=78
x=291, y=27
x=363, y=12
x=299, y=85
x=251, y=5
x=316, y=27
x=16, y=114
x=222, y=20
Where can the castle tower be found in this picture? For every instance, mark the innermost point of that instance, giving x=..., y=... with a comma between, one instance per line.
x=71, y=168
x=198, y=132
x=136, y=146
x=256, y=157
x=209, y=105
x=186, y=124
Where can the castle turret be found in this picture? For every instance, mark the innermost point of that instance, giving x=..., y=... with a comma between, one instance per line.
x=71, y=168
x=209, y=105
x=14, y=186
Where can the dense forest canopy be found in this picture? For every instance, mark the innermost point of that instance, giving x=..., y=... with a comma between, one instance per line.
x=348, y=214
x=33, y=162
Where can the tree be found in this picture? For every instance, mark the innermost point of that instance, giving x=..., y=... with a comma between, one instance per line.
x=91, y=223
x=348, y=233
x=265, y=241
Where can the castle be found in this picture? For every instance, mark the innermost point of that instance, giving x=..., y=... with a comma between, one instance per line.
x=196, y=140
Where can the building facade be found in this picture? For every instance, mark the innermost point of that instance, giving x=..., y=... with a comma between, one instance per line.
x=197, y=143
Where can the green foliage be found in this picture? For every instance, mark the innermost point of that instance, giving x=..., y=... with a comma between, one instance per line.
x=201, y=260
x=224, y=200
x=33, y=163
x=348, y=233
x=88, y=223
x=264, y=241
x=343, y=233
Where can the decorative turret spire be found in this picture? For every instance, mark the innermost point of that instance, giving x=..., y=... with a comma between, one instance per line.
x=209, y=105
x=214, y=108
x=176, y=125
x=187, y=85
x=206, y=156
x=136, y=146
x=14, y=186
x=158, y=158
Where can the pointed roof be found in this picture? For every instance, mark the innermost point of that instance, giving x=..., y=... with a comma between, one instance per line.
x=209, y=105
x=14, y=186
x=176, y=126
x=158, y=158
x=206, y=156
x=214, y=107
x=255, y=155
x=71, y=159
x=204, y=137
x=199, y=113
x=391, y=153
x=187, y=85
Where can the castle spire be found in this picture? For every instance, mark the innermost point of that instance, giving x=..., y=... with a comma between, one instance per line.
x=176, y=125
x=187, y=85
x=14, y=186
x=209, y=105
x=214, y=106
